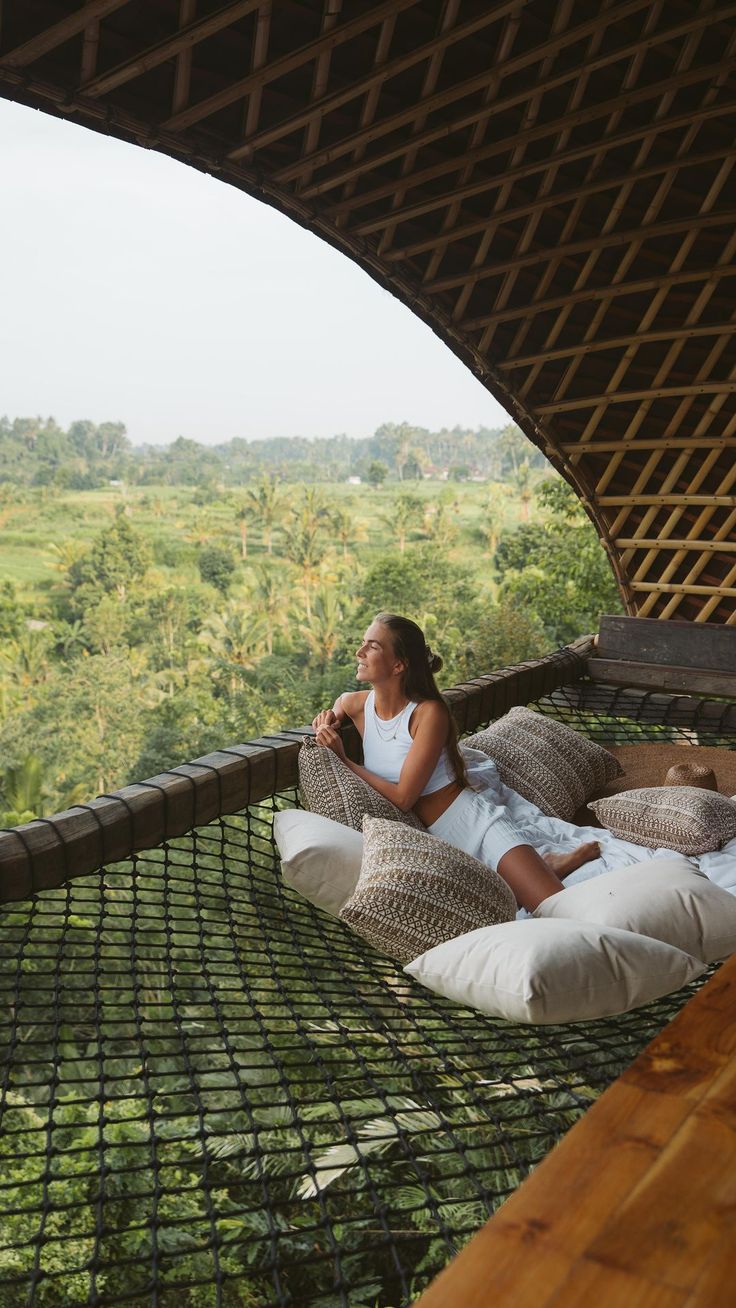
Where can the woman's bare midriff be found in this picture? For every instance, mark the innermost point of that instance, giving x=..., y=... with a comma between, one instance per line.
x=429, y=808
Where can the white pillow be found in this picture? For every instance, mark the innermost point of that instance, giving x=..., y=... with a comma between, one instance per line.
x=553, y=971
x=667, y=898
x=319, y=858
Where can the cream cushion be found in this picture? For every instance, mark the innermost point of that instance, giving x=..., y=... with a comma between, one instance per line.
x=543, y=971
x=666, y=898
x=328, y=787
x=415, y=890
x=683, y=818
x=545, y=761
x=319, y=858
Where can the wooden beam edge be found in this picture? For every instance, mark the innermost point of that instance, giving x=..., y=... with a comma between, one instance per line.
x=561, y=1218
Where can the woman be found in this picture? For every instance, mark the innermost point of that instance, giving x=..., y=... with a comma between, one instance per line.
x=412, y=758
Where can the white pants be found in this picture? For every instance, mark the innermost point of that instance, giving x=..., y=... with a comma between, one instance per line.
x=476, y=823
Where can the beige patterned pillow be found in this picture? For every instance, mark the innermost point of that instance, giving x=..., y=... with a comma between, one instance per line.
x=545, y=761
x=329, y=787
x=415, y=891
x=683, y=818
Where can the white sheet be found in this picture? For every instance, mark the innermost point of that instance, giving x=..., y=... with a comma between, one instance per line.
x=548, y=834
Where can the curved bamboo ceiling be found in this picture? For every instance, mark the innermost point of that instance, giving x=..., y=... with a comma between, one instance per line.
x=548, y=184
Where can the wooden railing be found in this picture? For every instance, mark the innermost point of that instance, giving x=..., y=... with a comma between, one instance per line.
x=52, y=850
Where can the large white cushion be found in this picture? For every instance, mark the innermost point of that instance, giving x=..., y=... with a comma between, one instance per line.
x=319, y=858
x=666, y=898
x=544, y=971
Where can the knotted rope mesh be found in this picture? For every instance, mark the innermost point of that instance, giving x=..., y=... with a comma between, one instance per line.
x=213, y=1094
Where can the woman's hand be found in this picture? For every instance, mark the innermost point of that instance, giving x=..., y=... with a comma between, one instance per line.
x=331, y=739
x=325, y=719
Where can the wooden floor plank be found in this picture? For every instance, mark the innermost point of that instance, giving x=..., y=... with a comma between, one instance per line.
x=633, y=1207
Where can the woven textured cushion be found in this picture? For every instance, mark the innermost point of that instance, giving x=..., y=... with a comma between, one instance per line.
x=548, y=763
x=554, y=971
x=415, y=891
x=328, y=787
x=683, y=818
x=319, y=858
x=665, y=898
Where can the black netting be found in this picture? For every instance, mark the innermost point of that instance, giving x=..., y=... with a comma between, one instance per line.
x=213, y=1094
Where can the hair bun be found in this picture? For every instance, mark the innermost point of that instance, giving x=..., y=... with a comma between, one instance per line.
x=435, y=663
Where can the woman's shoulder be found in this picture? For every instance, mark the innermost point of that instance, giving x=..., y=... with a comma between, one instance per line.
x=430, y=711
x=353, y=702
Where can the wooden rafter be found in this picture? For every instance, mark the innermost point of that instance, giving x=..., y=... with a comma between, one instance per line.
x=287, y=64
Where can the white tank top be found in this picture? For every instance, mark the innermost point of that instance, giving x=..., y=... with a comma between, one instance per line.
x=386, y=744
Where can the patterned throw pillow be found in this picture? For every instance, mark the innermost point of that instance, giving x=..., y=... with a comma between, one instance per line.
x=546, y=762
x=683, y=818
x=415, y=891
x=329, y=787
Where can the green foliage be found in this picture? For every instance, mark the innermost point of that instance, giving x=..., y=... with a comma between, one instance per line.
x=377, y=472
x=216, y=567
x=557, y=570
x=11, y=613
x=121, y=655
x=117, y=557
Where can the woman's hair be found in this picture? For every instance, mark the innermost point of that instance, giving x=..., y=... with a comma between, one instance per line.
x=421, y=664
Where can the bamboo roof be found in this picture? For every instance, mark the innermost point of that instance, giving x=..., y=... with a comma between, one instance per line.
x=548, y=185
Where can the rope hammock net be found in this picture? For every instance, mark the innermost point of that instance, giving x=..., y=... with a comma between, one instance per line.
x=214, y=1094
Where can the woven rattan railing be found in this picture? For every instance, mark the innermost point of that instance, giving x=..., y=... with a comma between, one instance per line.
x=213, y=1094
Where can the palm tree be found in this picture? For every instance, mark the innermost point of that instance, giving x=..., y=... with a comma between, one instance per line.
x=347, y=528
x=23, y=790
x=404, y=513
x=522, y=481
x=312, y=510
x=306, y=550
x=325, y=628
x=261, y=504
x=271, y=601
x=439, y=524
x=235, y=639
x=26, y=659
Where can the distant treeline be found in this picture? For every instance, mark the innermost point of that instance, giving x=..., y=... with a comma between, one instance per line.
x=37, y=452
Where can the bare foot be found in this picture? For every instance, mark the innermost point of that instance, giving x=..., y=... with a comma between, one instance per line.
x=563, y=864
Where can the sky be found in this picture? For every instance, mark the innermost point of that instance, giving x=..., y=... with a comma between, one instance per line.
x=136, y=289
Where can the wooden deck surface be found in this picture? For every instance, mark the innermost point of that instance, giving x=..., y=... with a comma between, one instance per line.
x=636, y=1207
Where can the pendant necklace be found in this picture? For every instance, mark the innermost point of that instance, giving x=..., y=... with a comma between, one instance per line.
x=392, y=722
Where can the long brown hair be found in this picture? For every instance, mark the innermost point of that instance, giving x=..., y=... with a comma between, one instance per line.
x=418, y=680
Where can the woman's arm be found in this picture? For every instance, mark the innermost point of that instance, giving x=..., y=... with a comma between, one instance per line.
x=430, y=738
x=348, y=705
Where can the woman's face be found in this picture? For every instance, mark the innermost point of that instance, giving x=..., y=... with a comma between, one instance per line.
x=376, y=658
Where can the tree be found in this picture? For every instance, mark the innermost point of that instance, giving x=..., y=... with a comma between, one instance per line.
x=216, y=566
x=23, y=791
x=377, y=472
x=504, y=634
x=326, y=628
x=234, y=638
x=269, y=595
x=347, y=528
x=116, y=558
x=265, y=506
x=10, y=612
x=522, y=481
x=404, y=512
x=558, y=569
x=306, y=549
x=440, y=523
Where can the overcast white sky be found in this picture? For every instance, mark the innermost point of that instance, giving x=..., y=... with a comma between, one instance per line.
x=138, y=290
